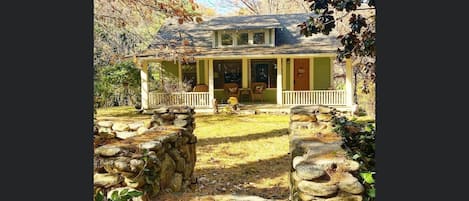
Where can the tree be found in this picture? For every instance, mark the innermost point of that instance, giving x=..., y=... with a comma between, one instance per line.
x=123, y=27
x=260, y=7
x=357, y=34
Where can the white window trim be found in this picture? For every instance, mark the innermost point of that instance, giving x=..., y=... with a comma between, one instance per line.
x=250, y=38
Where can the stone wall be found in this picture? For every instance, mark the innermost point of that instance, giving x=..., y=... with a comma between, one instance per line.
x=160, y=158
x=320, y=169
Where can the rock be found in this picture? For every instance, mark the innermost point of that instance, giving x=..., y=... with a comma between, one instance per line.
x=105, y=124
x=122, y=164
x=176, y=182
x=306, y=197
x=303, y=118
x=160, y=110
x=319, y=148
x=104, y=130
x=168, y=167
x=324, y=117
x=180, y=162
x=151, y=145
x=309, y=171
x=125, y=134
x=325, y=110
x=107, y=150
x=297, y=160
x=180, y=122
x=136, y=125
x=106, y=179
x=342, y=163
x=350, y=184
x=134, y=182
x=120, y=127
x=182, y=116
x=136, y=165
x=141, y=130
x=345, y=198
x=317, y=189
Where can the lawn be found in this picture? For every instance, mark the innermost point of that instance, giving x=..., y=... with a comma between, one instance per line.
x=236, y=154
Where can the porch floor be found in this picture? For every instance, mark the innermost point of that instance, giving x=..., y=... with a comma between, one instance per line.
x=256, y=108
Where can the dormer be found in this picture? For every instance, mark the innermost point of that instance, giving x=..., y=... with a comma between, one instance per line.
x=243, y=31
x=243, y=38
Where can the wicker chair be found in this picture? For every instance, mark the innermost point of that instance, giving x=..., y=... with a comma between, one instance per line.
x=200, y=88
x=231, y=90
x=258, y=89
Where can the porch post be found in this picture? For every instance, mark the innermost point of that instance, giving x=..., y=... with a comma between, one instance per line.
x=210, y=82
x=244, y=72
x=348, y=82
x=144, y=85
x=279, y=81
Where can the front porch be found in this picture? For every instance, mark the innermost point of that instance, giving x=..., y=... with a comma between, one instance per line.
x=286, y=86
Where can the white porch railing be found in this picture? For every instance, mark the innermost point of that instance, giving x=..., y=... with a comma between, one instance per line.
x=314, y=97
x=195, y=99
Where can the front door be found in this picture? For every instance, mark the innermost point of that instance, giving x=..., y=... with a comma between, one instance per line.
x=301, y=74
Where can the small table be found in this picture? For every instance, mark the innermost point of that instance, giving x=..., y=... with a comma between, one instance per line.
x=246, y=91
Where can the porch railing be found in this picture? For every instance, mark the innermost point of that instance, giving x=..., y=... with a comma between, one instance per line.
x=195, y=99
x=314, y=97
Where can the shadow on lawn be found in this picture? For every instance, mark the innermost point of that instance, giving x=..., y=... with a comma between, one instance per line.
x=249, y=137
x=243, y=179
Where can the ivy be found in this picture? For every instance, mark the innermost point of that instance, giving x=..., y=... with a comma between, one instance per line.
x=359, y=142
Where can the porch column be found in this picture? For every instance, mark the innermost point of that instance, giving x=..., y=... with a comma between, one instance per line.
x=144, y=85
x=348, y=82
x=210, y=83
x=279, y=81
x=244, y=72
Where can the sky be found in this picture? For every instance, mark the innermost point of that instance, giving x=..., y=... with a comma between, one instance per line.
x=219, y=5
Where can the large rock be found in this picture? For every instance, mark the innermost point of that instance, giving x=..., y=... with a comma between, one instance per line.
x=107, y=150
x=141, y=130
x=106, y=179
x=317, y=189
x=136, y=125
x=120, y=127
x=125, y=134
x=324, y=117
x=105, y=124
x=104, y=130
x=345, y=198
x=309, y=171
x=176, y=182
x=151, y=145
x=134, y=182
x=303, y=118
x=168, y=167
x=180, y=122
x=341, y=163
x=122, y=164
x=350, y=184
x=180, y=162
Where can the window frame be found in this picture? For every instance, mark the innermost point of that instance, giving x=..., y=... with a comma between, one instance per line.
x=235, y=34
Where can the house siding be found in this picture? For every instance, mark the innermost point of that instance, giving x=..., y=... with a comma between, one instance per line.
x=170, y=69
x=322, y=73
x=201, y=72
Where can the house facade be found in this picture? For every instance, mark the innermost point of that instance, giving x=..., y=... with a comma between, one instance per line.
x=296, y=70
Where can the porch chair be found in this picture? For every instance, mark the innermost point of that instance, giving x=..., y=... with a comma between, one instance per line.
x=231, y=90
x=258, y=89
x=200, y=88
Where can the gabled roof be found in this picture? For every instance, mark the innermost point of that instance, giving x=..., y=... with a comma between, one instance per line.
x=199, y=36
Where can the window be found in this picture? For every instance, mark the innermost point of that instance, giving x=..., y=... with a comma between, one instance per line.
x=243, y=39
x=264, y=71
x=228, y=71
x=189, y=75
x=226, y=39
x=259, y=38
